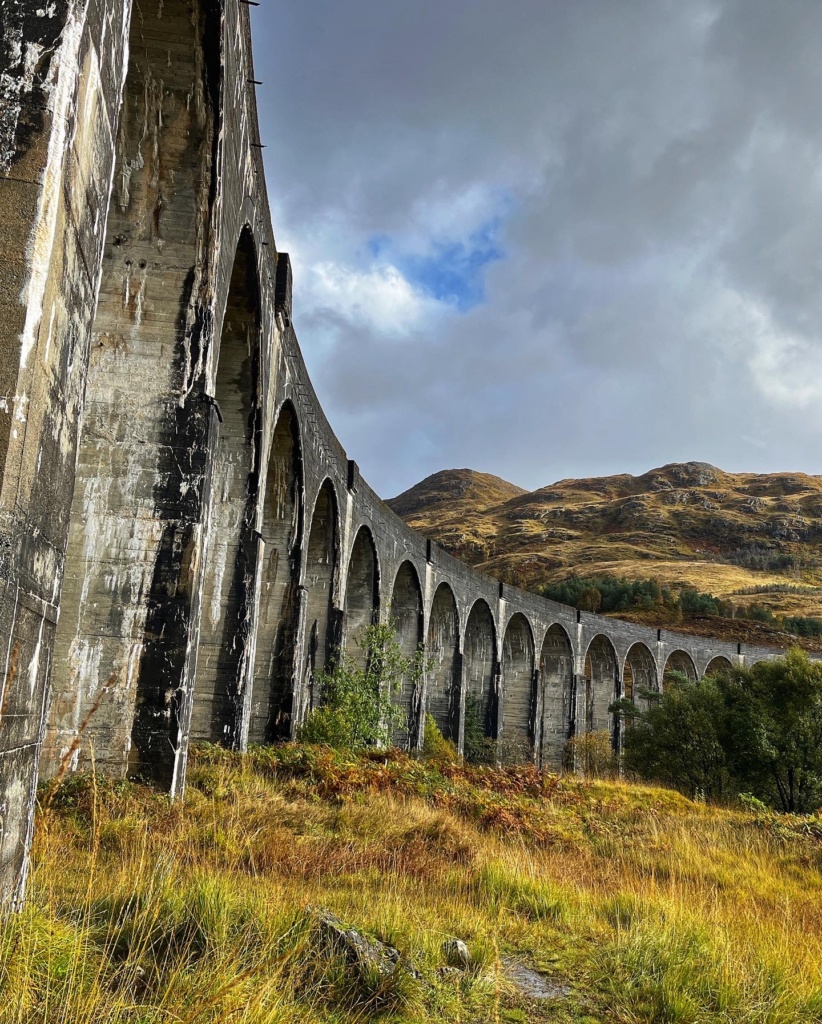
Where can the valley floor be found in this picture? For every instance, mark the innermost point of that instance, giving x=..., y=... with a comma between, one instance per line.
x=633, y=904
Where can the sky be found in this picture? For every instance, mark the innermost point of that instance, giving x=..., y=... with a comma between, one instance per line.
x=552, y=238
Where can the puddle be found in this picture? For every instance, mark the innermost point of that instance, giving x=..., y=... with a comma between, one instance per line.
x=532, y=984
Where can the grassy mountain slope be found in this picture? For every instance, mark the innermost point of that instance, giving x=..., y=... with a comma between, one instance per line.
x=742, y=536
x=632, y=903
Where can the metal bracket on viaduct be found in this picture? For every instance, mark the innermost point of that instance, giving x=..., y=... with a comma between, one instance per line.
x=183, y=540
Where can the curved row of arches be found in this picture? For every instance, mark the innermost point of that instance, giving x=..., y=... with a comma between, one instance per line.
x=303, y=606
x=310, y=606
x=281, y=581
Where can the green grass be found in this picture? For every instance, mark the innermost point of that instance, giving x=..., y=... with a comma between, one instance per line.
x=645, y=906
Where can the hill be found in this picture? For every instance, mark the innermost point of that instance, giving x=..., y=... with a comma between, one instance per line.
x=579, y=901
x=744, y=537
x=455, y=492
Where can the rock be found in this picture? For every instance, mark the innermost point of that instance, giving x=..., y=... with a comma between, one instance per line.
x=457, y=953
x=532, y=984
x=360, y=951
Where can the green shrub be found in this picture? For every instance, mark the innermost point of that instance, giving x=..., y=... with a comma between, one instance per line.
x=756, y=730
x=801, y=625
x=435, y=747
x=357, y=704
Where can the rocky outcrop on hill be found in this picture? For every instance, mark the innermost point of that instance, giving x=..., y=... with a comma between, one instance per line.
x=683, y=524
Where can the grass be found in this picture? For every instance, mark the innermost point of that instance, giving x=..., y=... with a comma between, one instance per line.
x=639, y=905
x=715, y=578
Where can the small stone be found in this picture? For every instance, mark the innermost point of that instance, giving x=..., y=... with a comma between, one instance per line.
x=457, y=953
x=533, y=984
x=360, y=951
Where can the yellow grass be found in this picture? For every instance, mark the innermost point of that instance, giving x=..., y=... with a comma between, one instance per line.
x=710, y=577
x=646, y=906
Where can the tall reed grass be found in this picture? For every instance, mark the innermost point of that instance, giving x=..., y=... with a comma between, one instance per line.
x=641, y=905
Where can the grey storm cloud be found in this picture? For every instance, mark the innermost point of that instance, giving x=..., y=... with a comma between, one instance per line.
x=629, y=196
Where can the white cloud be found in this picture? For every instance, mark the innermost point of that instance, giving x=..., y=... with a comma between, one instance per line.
x=656, y=167
x=378, y=298
x=787, y=368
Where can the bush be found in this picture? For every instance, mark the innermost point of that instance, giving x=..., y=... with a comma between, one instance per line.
x=676, y=738
x=802, y=625
x=592, y=753
x=756, y=730
x=358, y=708
x=435, y=747
x=757, y=613
x=693, y=603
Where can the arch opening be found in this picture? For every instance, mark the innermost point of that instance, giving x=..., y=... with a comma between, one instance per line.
x=680, y=661
x=126, y=606
x=362, y=595
x=278, y=603
x=518, y=691
x=639, y=672
x=320, y=638
x=442, y=651
x=230, y=562
x=718, y=666
x=407, y=620
x=639, y=676
x=555, y=711
x=601, y=686
x=480, y=661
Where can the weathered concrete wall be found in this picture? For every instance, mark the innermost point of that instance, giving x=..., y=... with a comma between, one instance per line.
x=60, y=84
x=136, y=502
x=184, y=543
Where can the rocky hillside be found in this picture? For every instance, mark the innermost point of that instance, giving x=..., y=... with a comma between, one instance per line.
x=740, y=536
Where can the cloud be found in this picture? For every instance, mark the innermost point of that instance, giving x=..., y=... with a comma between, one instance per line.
x=547, y=239
x=448, y=270
x=379, y=298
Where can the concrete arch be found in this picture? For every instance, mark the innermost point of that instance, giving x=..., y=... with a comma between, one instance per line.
x=555, y=700
x=321, y=628
x=639, y=674
x=718, y=666
x=680, y=661
x=126, y=605
x=480, y=669
x=601, y=681
x=279, y=552
x=518, y=694
x=406, y=613
x=362, y=593
x=442, y=648
x=638, y=671
x=230, y=560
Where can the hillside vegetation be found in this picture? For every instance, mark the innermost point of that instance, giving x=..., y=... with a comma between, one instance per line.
x=742, y=537
x=629, y=903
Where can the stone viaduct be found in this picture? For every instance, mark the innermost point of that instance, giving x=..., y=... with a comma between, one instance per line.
x=183, y=540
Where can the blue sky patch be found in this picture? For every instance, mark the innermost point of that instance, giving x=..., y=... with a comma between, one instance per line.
x=451, y=271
